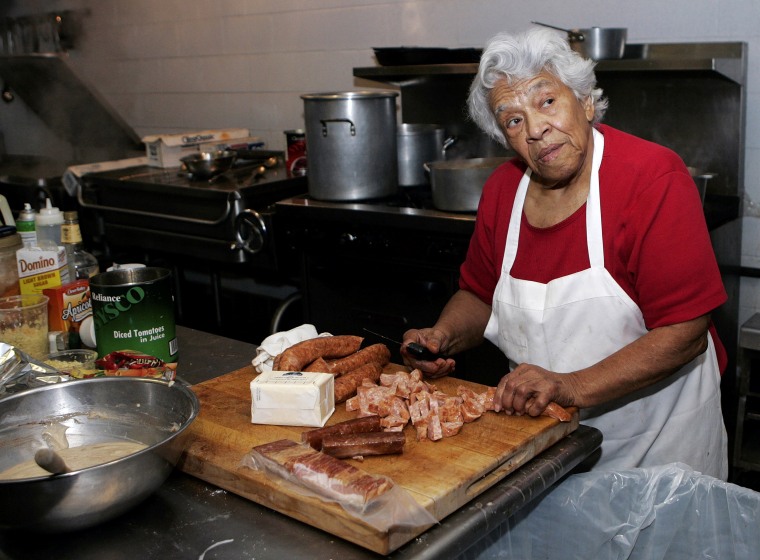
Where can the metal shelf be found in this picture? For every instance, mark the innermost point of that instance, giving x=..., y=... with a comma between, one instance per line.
x=727, y=60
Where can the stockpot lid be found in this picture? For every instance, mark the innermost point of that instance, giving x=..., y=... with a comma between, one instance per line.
x=349, y=95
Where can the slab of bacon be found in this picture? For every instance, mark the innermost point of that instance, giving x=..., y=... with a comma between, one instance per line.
x=327, y=476
x=402, y=397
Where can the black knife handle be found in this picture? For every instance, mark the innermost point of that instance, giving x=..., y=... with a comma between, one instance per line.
x=420, y=352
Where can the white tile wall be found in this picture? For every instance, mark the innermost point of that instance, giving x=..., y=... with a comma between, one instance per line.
x=175, y=65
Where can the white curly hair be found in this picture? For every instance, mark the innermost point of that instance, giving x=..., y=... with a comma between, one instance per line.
x=523, y=56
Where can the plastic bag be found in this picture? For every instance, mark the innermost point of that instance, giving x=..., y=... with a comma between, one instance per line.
x=658, y=513
x=394, y=507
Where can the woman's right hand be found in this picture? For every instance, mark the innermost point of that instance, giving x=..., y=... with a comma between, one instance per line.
x=436, y=342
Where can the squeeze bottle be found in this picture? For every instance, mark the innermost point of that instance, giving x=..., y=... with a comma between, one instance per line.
x=48, y=221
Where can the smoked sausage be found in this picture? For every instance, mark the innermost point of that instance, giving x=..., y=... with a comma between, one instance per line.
x=303, y=353
x=346, y=384
x=376, y=353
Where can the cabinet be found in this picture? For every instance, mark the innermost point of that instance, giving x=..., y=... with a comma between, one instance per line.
x=746, y=452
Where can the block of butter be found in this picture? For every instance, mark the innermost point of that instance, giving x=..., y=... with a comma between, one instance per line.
x=292, y=398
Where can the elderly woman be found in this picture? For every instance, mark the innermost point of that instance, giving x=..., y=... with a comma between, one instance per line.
x=590, y=267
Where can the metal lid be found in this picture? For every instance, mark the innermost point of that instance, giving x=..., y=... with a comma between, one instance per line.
x=10, y=239
x=345, y=95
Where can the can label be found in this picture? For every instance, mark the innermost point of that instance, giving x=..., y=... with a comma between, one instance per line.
x=296, y=154
x=133, y=309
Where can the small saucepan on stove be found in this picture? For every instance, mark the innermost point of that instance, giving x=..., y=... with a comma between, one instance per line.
x=596, y=43
x=206, y=165
x=456, y=185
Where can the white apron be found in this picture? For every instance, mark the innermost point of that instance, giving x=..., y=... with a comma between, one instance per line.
x=576, y=321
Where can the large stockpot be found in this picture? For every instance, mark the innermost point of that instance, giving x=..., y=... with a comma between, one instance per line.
x=456, y=185
x=351, y=142
x=417, y=145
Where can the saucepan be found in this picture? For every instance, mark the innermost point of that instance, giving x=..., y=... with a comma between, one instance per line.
x=596, y=43
x=456, y=185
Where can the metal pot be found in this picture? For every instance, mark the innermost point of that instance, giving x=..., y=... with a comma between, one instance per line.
x=456, y=185
x=701, y=178
x=351, y=142
x=418, y=144
x=596, y=43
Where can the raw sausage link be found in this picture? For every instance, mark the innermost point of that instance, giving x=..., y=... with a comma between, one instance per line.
x=356, y=426
x=353, y=445
x=300, y=355
x=376, y=353
x=346, y=384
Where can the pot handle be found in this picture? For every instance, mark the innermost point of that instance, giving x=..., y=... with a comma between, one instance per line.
x=325, y=121
x=447, y=144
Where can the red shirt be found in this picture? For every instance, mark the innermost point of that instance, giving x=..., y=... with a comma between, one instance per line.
x=656, y=243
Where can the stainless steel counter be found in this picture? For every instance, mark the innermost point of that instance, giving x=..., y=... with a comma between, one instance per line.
x=187, y=517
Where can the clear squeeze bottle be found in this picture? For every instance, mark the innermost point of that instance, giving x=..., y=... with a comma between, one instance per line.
x=82, y=263
x=48, y=223
x=25, y=225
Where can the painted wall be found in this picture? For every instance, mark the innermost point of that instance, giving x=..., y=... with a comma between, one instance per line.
x=177, y=65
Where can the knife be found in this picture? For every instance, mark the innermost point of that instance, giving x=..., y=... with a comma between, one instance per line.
x=415, y=349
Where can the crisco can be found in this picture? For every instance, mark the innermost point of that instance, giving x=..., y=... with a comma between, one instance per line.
x=133, y=309
x=296, y=155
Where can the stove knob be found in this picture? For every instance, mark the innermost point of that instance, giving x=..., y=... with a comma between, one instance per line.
x=347, y=238
x=250, y=232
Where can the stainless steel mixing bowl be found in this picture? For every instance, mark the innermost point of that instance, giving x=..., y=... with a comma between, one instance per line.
x=206, y=165
x=86, y=412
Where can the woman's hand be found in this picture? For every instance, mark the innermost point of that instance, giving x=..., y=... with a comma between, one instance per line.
x=436, y=342
x=528, y=389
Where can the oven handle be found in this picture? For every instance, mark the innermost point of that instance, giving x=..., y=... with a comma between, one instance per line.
x=84, y=204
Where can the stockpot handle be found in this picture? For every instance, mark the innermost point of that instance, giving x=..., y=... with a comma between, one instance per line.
x=325, y=121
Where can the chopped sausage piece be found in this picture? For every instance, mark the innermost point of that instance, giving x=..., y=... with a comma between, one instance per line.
x=555, y=411
x=347, y=384
x=373, y=443
x=358, y=425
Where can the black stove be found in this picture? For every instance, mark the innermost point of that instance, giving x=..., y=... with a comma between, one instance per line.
x=225, y=219
x=387, y=265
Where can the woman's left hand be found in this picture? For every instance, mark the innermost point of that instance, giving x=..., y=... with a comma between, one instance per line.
x=528, y=389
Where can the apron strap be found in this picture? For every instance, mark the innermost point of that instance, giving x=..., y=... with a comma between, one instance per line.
x=594, y=207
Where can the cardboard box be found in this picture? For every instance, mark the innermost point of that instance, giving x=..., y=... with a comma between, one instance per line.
x=165, y=150
x=69, y=305
x=292, y=398
x=39, y=269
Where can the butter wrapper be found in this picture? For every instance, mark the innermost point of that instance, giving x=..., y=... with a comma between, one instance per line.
x=292, y=398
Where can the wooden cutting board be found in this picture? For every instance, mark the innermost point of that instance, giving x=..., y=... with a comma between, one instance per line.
x=442, y=476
